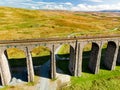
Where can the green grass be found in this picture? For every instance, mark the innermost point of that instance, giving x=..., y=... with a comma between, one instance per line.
x=65, y=49
x=104, y=80
x=4, y=88
x=30, y=83
x=28, y=24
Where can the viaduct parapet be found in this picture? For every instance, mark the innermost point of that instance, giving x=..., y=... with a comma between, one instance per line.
x=77, y=45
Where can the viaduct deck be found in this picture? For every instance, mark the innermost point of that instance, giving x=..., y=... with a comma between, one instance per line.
x=77, y=45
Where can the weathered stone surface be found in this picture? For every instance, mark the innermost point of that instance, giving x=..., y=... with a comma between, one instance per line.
x=111, y=55
x=94, y=63
x=118, y=57
x=76, y=51
x=72, y=61
x=79, y=54
x=29, y=66
x=4, y=68
x=53, y=63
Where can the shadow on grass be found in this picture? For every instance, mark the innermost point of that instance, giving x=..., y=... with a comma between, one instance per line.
x=62, y=64
x=86, y=58
x=102, y=65
x=21, y=62
x=18, y=67
x=85, y=61
x=0, y=82
x=117, y=64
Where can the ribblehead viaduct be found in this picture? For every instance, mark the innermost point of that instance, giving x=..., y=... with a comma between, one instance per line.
x=77, y=44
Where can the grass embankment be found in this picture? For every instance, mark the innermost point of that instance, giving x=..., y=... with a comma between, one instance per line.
x=25, y=24
x=105, y=80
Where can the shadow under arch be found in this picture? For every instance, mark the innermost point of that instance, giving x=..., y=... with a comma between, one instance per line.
x=118, y=57
x=110, y=58
x=94, y=63
x=17, y=63
x=104, y=47
x=91, y=58
x=86, y=57
x=0, y=80
x=41, y=61
x=65, y=59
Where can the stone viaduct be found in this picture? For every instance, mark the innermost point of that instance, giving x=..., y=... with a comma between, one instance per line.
x=76, y=50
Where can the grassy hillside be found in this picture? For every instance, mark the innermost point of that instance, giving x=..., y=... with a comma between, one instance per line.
x=105, y=80
x=25, y=24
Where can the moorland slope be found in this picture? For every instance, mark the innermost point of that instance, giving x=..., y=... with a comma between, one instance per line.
x=25, y=24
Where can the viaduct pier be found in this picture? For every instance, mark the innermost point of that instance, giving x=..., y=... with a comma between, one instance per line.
x=77, y=44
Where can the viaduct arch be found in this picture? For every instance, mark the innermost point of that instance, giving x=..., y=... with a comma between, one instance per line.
x=76, y=50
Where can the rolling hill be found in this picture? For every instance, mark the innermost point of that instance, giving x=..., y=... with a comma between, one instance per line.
x=18, y=23
x=110, y=10
x=26, y=24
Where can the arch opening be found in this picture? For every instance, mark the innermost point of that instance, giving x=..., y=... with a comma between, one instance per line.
x=86, y=57
x=109, y=57
x=41, y=61
x=17, y=64
x=104, y=48
x=64, y=59
x=91, y=58
x=94, y=63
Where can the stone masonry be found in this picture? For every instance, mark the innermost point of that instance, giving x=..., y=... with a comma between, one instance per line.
x=76, y=52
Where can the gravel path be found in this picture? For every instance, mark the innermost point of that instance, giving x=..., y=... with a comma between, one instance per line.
x=44, y=77
x=45, y=82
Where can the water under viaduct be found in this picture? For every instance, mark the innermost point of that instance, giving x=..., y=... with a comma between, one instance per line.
x=76, y=50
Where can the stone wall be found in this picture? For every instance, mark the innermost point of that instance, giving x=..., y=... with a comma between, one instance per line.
x=76, y=52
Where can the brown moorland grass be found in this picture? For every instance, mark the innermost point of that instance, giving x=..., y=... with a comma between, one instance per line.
x=25, y=24
x=18, y=23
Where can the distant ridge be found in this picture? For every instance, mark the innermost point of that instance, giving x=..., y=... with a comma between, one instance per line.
x=110, y=11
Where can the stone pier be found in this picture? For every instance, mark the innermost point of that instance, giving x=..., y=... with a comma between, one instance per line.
x=4, y=68
x=75, y=65
x=29, y=65
x=53, y=63
x=76, y=51
x=72, y=61
x=79, y=54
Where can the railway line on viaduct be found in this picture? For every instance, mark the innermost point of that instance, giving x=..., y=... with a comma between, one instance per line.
x=77, y=44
